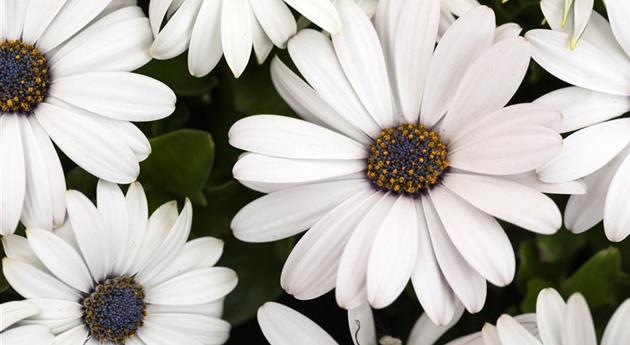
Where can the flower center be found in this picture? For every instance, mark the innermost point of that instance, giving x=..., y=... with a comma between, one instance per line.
x=115, y=310
x=406, y=159
x=23, y=77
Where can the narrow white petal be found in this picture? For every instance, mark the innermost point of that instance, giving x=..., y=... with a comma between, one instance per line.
x=153, y=334
x=138, y=212
x=17, y=247
x=477, y=236
x=426, y=332
x=507, y=31
x=582, y=107
x=468, y=285
x=276, y=19
x=261, y=42
x=507, y=200
x=236, y=34
x=617, y=207
x=13, y=21
x=57, y=314
x=617, y=11
x=361, y=324
x=287, y=212
x=578, y=327
x=490, y=335
x=320, y=12
x=157, y=12
x=28, y=335
x=530, y=179
x=12, y=173
x=158, y=227
x=394, y=253
x=194, y=287
x=76, y=335
x=32, y=282
x=38, y=16
x=205, y=329
x=549, y=315
x=582, y=14
x=460, y=46
x=580, y=157
x=512, y=333
x=205, y=41
x=12, y=312
x=311, y=269
x=617, y=331
x=113, y=209
x=175, y=36
x=198, y=253
x=282, y=326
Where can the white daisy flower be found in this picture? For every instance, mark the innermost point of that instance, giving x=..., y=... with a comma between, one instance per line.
x=114, y=275
x=555, y=323
x=67, y=80
x=570, y=16
x=406, y=157
x=13, y=312
x=599, y=68
x=281, y=325
x=210, y=29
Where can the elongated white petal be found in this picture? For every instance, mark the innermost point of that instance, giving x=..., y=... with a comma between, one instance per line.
x=531, y=180
x=426, y=332
x=617, y=207
x=512, y=333
x=468, y=285
x=205, y=329
x=236, y=34
x=394, y=253
x=582, y=107
x=477, y=236
x=152, y=334
x=311, y=269
x=587, y=66
x=507, y=200
x=287, y=212
x=175, y=36
x=578, y=327
x=276, y=19
x=28, y=335
x=586, y=151
x=32, y=282
x=113, y=209
x=39, y=14
x=194, y=287
x=138, y=212
x=198, y=253
x=550, y=311
x=76, y=335
x=582, y=14
x=617, y=331
x=15, y=311
x=159, y=225
x=157, y=12
x=13, y=23
x=12, y=173
x=507, y=31
x=57, y=314
x=460, y=46
x=282, y=326
x=617, y=13
x=205, y=41
x=320, y=12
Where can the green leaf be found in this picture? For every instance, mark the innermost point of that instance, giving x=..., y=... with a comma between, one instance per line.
x=174, y=73
x=597, y=278
x=562, y=246
x=180, y=162
x=528, y=305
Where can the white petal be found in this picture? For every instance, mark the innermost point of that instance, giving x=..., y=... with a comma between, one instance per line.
x=58, y=315
x=90, y=233
x=282, y=326
x=13, y=25
x=205, y=329
x=194, y=287
x=88, y=143
x=261, y=42
x=17, y=247
x=260, y=168
x=512, y=333
x=175, y=36
x=587, y=66
x=205, y=41
x=320, y=12
x=549, y=315
x=531, y=180
x=435, y=295
x=413, y=48
x=27, y=335
x=351, y=290
x=113, y=209
x=468, y=285
x=477, y=236
x=15, y=311
x=507, y=200
x=282, y=136
x=12, y=173
x=394, y=253
x=60, y=258
x=153, y=334
x=287, y=212
x=276, y=19
x=76, y=335
x=460, y=46
x=133, y=137
x=617, y=331
x=138, y=212
x=38, y=16
x=617, y=209
x=311, y=269
x=112, y=44
x=157, y=12
x=425, y=332
x=617, y=11
x=578, y=327
x=361, y=324
x=236, y=34
x=212, y=309
x=32, y=282
x=314, y=56
x=73, y=17
x=308, y=104
x=477, y=94
x=361, y=57
x=494, y=149
x=507, y=31
x=586, y=151
x=582, y=15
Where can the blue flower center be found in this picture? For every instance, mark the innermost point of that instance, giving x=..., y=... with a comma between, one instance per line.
x=115, y=310
x=408, y=159
x=23, y=77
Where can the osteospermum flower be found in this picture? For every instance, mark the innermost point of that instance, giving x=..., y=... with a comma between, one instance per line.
x=600, y=69
x=65, y=79
x=570, y=16
x=282, y=325
x=13, y=312
x=406, y=157
x=555, y=323
x=210, y=29
x=114, y=275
